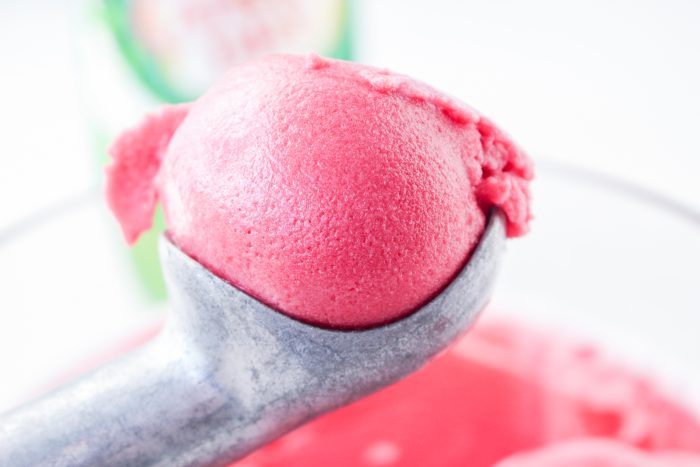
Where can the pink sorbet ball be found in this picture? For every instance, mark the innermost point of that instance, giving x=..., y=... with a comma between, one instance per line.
x=340, y=194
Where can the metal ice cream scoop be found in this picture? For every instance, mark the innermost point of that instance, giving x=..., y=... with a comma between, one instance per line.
x=229, y=374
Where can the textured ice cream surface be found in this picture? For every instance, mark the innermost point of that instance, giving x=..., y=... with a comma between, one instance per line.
x=340, y=194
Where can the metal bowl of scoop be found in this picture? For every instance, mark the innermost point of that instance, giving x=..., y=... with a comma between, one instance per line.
x=229, y=374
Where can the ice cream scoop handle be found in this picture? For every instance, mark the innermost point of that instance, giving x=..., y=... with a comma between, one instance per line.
x=147, y=408
x=229, y=374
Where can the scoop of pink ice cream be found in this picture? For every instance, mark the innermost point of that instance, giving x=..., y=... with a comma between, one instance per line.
x=340, y=194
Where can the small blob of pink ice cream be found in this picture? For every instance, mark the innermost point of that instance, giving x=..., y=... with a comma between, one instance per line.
x=599, y=452
x=340, y=194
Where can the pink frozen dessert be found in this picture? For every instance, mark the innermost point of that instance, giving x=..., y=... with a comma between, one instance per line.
x=340, y=194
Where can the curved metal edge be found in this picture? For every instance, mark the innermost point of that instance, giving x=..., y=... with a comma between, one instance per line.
x=278, y=369
x=229, y=374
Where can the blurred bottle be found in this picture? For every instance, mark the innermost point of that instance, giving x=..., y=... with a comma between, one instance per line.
x=136, y=54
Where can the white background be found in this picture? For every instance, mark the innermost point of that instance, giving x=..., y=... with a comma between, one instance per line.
x=606, y=84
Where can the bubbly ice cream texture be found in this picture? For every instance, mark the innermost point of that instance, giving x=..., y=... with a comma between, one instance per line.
x=340, y=194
